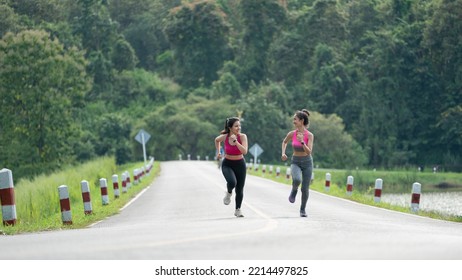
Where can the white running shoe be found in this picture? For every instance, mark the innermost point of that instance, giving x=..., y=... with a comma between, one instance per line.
x=227, y=198
x=238, y=213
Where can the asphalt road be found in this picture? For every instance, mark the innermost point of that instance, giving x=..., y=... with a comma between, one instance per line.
x=182, y=216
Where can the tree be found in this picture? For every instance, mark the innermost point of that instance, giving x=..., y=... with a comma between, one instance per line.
x=333, y=147
x=198, y=34
x=123, y=55
x=191, y=124
x=451, y=126
x=262, y=20
x=325, y=23
x=329, y=80
x=287, y=59
x=141, y=22
x=113, y=137
x=443, y=40
x=98, y=33
x=41, y=83
x=41, y=10
x=264, y=120
x=9, y=21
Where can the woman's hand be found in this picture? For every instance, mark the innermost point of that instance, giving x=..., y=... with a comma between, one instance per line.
x=284, y=157
x=233, y=140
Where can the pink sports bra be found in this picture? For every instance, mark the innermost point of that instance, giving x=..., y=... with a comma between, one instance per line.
x=296, y=145
x=232, y=150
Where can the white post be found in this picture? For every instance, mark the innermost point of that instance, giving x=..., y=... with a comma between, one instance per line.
x=65, y=204
x=144, y=148
x=103, y=186
x=87, y=208
x=115, y=184
x=378, y=190
x=256, y=156
x=349, y=185
x=327, y=185
x=415, y=199
x=7, y=203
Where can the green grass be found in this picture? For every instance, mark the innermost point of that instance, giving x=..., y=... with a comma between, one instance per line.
x=364, y=182
x=37, y=201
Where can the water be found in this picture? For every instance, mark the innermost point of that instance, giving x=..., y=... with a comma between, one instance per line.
x=446, y=202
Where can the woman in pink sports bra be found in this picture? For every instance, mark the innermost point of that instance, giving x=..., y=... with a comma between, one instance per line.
x=302, y=163
x=233, y=167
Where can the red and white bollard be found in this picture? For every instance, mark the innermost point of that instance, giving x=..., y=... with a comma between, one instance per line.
x=124, y=182
x=327, y=185
x=7, y=197
x=312, y=178
x=288, y=173
x=349, y=185
x=103, y=186
x=136, y=178
x=129, y=180
x=415, y=198
x=271, y=169
x=378, y=190
x=65, y=205
x=278, y=171
x=263, y=169
x=85, y=187
x=115, y=184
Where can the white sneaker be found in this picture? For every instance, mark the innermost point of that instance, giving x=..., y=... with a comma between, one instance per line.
x=238, y=213
x=227, y=198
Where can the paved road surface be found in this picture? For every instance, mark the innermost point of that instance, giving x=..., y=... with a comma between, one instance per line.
x=182, y=216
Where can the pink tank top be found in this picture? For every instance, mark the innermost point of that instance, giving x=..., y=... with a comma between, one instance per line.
x=296, y=145
x=232, y=150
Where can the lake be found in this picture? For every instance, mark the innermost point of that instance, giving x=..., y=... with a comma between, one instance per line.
x=447, y=202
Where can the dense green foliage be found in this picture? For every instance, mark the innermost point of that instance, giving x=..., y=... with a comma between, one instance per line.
x=79, y=78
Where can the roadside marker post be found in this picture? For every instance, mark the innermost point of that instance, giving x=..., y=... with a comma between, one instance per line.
x=327, y=184
x=103, y=186
x=415, y=197
x=65, y=204
x=115, y=185
x=7, y=197
x=350, y=185
x=87, y=207
x=378, y=190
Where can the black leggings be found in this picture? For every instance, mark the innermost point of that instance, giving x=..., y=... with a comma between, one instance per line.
x=235, y=172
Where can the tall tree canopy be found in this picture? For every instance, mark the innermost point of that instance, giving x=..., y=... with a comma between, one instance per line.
x=40, y=83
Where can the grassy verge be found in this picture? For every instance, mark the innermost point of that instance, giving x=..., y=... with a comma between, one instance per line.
x=364, y=181
x=38, y=205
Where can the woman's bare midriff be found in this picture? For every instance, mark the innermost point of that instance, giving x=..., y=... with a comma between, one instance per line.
x=234, y=157
x=300, y=154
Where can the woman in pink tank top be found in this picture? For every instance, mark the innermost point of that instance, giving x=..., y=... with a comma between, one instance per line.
x=301, y=167
x=233, y=167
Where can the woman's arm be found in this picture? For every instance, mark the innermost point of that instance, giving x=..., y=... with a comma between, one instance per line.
x=242, y=146
x=308, y=148
x=284, y=145
x=220, y=138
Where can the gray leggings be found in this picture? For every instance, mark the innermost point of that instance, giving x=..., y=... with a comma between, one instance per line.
x=301, y=169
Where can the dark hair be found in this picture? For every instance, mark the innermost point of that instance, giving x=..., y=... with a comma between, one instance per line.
x=228, y=124
x=303, y=114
